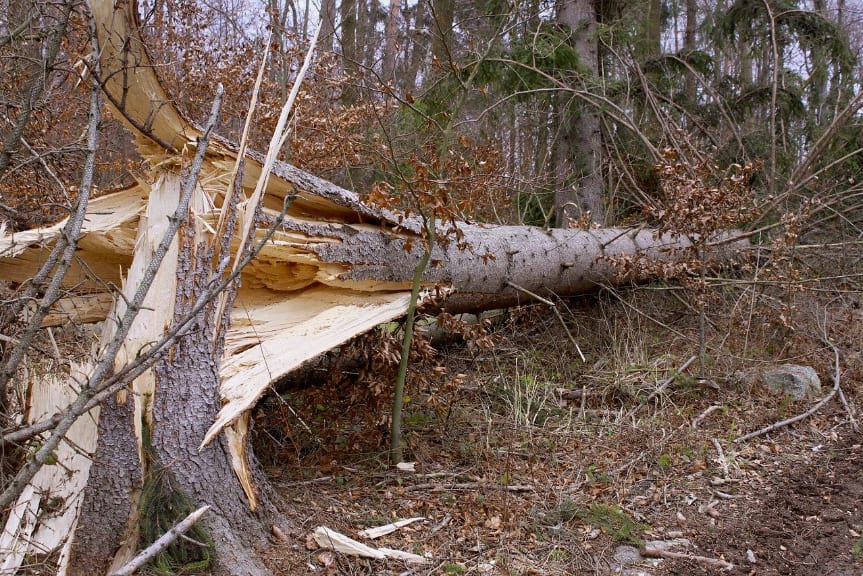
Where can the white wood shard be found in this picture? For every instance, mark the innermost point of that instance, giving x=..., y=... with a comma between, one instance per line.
x=332, y=540
x=378, y=531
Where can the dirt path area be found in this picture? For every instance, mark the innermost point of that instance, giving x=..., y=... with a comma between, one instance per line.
x=808, y=520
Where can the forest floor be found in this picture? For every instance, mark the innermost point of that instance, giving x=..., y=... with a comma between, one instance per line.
x=511, y=477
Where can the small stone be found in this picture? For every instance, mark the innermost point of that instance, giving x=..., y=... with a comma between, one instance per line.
x=750, y=556
x=625, y=555
x=798, y=382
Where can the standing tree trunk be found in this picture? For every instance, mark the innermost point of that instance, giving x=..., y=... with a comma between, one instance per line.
x=443, y=19
x=648, y=43
x=419, y=48
x=4, y=18
x=391, y=48
x=689, y=46
x=577, y=162
x=328, y=24
x=350, y=54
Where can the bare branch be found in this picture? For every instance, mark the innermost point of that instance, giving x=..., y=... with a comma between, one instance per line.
x=64, y=250
x=161, y=544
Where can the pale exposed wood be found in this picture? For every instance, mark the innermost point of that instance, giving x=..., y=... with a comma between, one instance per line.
x=378, y=531
x=275, y=332
x=112, y=213
x=329, y=538
x=15, y=539
x=27, y=530
x=131, y=84
x=106, y=246
x=237, y=438
x=83, y=309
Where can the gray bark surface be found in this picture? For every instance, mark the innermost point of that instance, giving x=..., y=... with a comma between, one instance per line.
x=547, y=261
x=115, y=475
x=184, y=407
x=577, y=147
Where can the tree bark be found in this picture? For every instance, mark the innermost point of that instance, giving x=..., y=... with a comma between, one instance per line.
x=418, y=47
x=443, y=19
x=689, y=46
x=351, y=56
x=328, y=24
x=649, y=45
x=577, y=150
x=391, y=48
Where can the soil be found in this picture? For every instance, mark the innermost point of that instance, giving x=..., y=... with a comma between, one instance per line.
x=807, y=521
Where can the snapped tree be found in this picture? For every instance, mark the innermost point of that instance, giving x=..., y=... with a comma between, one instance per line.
x=156, y=423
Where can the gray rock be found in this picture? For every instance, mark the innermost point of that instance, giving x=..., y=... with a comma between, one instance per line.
x=626, y=555
x=798, y=382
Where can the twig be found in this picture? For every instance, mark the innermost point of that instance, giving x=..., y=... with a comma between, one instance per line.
x=647, y=452
x=280, y=134
x=715, y=562
x=557, y=313
x=850, y=410
x=662, y=386
x=302, y=482
x=163, y=542
x=705, y=414
x=442, y=524
x=722, y=461
x=227, y=218
x=435, y=487
x=613, y=292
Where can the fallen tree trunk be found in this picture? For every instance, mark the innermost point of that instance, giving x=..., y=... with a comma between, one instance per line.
x=331, y=268
x=317, y=283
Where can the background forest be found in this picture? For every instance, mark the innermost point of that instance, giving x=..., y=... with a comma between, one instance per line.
x=546, y=441
x=554, y=107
